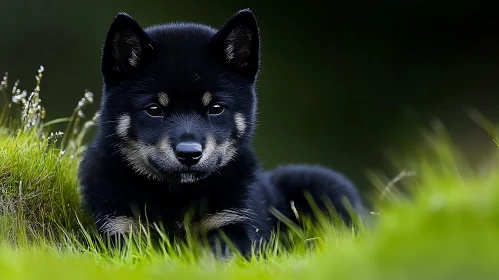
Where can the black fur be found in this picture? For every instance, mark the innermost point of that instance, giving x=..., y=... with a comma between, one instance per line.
x=185, y=61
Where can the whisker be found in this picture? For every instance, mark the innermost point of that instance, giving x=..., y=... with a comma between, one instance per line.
x=110, y=135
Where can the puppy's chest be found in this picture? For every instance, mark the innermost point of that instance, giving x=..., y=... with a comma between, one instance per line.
x=197, y=212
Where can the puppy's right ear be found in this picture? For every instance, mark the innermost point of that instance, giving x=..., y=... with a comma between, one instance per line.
x=127, y=48
x=238, y=43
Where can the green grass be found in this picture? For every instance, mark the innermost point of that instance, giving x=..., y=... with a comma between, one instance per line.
x=448, y=228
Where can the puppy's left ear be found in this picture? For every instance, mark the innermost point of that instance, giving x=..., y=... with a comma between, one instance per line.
x=237, y=44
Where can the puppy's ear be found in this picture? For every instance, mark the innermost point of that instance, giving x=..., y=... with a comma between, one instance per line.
x=237, y=44
x=126, y=49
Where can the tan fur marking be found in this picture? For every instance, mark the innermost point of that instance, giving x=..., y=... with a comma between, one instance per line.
x=209, y=148
x=123, y=125
x=168, y=154
x=120, y=225
x=228, y=150
x=240, y=121
x=163, y=99
x=225, y=217
x=137, y=154
x=206, y=98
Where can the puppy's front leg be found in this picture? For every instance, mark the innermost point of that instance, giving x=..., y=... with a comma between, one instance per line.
x=226, y=241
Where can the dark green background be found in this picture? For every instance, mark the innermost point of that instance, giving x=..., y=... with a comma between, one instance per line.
x=341, y=81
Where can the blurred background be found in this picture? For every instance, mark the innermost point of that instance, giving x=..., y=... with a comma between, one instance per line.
x=342, y=82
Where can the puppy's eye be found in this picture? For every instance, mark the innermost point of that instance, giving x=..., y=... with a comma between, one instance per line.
x=153, y=110
x=216, y=109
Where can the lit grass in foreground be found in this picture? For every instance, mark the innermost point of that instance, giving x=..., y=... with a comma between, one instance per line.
x=448, y=229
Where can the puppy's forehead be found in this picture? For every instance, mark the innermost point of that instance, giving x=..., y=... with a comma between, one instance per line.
x=185, y=49
x=185, y=67
x=185, y=60
x=182, y=80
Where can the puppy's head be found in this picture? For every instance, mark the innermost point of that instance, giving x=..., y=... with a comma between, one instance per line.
x=179, y=99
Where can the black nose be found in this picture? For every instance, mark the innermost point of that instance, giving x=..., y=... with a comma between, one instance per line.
x=188, y=153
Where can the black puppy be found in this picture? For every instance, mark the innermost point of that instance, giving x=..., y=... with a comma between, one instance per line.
x=175, y=135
